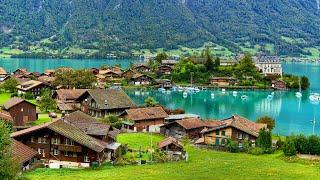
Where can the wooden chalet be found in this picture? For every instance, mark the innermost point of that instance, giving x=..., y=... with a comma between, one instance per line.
x=140, y=79
x=49, y=72
x=46, y=79
x=128, y=74
x=189, y=128
x=20, y=110
x=68, y=143
x=148, y=119
x=164, y=70
x=102, y=102
x=33, y=87
x=223, y=81
x=172, y=147
x=67, y=99
x=236, y=128
x=21, y=71
x=164, y=83
x=23, y=154
x=142, y=68
x=169, y=62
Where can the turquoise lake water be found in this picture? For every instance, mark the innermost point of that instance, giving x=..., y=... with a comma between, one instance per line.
x=293, y=115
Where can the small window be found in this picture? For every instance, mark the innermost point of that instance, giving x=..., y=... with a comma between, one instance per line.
x=40, y=151
x=55, y=141
x=240, y=145
x=86, y=159
x=223, y=133
x=75, y=154
x=55, y=152
x=217, y=141
x=32, y=139
x=21, y=109
x=217, y=132
x=66, y=153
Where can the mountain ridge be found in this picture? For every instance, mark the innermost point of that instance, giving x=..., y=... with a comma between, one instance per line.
x=122, y=25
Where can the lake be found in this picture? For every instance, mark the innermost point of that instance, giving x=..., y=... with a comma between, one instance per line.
x=40, y=65
x=292, y=115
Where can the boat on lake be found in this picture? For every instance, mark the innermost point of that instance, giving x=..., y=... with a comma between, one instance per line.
x=235, y=93
x=244, y=97
x=299, y=94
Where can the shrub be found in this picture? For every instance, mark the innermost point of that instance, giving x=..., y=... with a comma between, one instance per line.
x=301, y=144
x=314, y=144
x=279, y=144
x=28, y=96
x=256, y=151
x=289, y=148
x=232, y=146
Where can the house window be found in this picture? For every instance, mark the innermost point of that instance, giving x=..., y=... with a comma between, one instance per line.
x=32, y=139
x=240, y=145
x=21, y=109
x=55, y=141
x=217, y=142
x=246, y=136
x=69, y=142
x=40, y=151
x=66, y=153
x=55, y=152
x=86, y=159
x=74, y=154
x=217, y=132
x=41, y=140
x=223, y=133
x=240, y=135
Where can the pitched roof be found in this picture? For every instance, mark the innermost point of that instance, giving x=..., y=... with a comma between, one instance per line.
x=240, y=123
x=87, y=124
x=5, y=115
x=13, y=101
x=190, y=123
x=67, y=106
x=69, y=94
x=181, y=116
x=69, y=131
x=2, y=71
x=146, y=113
x=111, y=98
x=29, y=85
x=22, y=152
x=168, y=141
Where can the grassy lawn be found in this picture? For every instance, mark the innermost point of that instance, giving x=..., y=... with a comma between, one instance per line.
x=43, y=118
x=4, y=97
x=137, y=140
x=202, y=164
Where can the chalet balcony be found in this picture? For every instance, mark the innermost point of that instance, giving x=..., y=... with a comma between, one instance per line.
x=70, y=148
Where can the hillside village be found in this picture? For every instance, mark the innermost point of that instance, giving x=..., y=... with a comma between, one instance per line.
x=87, y=114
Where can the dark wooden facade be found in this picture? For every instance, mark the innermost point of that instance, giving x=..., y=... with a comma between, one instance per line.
x=177, y=131
x=53, y=146
x=23, y=113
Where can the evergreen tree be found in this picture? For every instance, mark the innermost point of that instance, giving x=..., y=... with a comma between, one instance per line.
x=209, y=63
x=8, y=167
x=217, y=62
x=264, y=140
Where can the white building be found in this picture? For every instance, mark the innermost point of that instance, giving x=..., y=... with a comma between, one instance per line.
x=268, y=65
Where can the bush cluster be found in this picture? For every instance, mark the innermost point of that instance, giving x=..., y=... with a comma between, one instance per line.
x=302, y=144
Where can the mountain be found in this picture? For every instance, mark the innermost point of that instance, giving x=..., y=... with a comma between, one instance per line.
x=290, y=26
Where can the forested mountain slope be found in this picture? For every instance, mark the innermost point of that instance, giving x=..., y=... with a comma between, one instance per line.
x=106, y=25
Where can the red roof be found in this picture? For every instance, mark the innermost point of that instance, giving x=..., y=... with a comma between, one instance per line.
x=22, y=152
x=168, y=141
x=147, y=113
x=191, y=123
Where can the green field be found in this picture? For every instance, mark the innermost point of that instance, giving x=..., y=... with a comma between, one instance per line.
x=202, y=164
x=137, y=140
x=4, y=97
